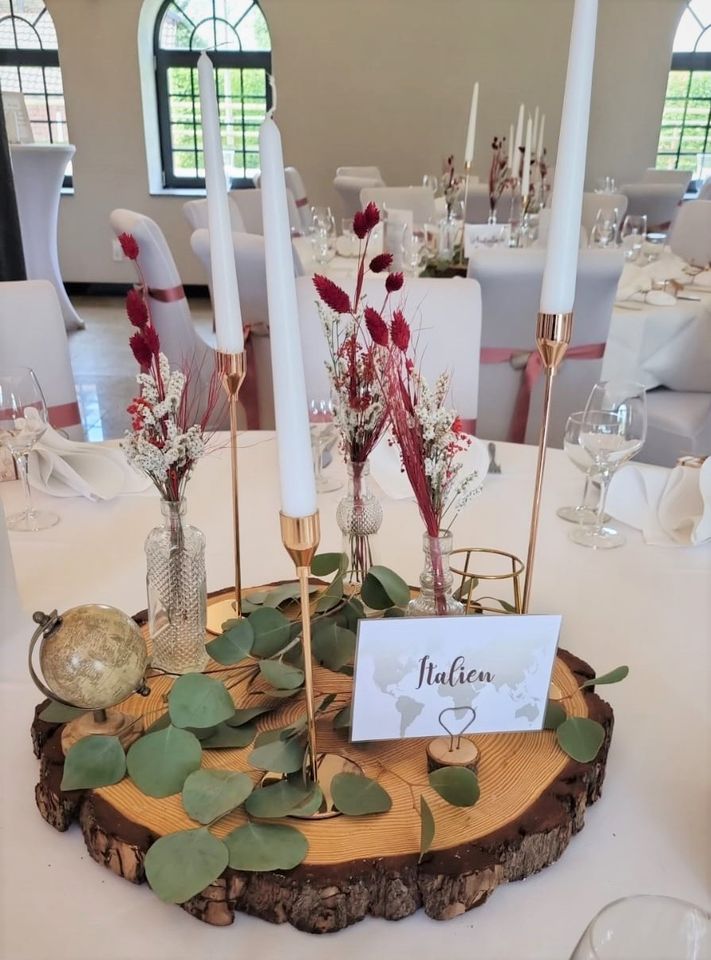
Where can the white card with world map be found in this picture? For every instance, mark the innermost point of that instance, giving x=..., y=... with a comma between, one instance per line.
x=407, y=671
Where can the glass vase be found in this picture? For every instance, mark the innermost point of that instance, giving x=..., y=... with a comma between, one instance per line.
x=436, y=580
x=492, y=212
x=359, y=515
x=177, y=592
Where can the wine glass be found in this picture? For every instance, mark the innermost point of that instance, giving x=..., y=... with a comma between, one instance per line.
x=612, y=431
x=633, y=235
x=604, y=231
x=431, y=180
x=605, y=185
x=323, y=435
x=23, y=420
x=647, y=928
x=413, y=248
x=586, y=511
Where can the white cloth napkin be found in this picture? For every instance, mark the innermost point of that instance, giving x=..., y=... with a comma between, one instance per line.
x=69, y=468
x=637, y=281
x=386, y=469
x=668, y=506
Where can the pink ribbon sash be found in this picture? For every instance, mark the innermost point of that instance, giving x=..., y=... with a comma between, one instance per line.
x=301, y=202
x=64, y=415
x=531, y=365
x=167, y=294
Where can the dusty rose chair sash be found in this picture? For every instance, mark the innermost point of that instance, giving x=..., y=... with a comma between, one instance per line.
x=64, y=415
x=301, y=202
x=531, y=365
x=167, y=294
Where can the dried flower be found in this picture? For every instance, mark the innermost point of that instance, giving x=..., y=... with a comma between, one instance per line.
x=380, y=262
x=393, y=282
x=377, y=327
x=136, y=308
x=365, y=220
x=128, y=245
x=141, y=351
x=400, y=331
x=332, y=295
x=151, y=339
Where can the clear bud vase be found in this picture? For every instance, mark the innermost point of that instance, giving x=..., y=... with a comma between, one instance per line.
x=359, y=515
x=177, y=592
x=436, y=581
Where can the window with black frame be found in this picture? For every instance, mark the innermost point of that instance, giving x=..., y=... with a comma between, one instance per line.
x=235, y=34
x=29, y=64
x=685, y=135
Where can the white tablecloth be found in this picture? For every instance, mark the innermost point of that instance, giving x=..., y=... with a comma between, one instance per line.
x=646, y=606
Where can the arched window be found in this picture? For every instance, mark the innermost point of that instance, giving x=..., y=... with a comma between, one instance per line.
x=236, y=35
x=686, y=121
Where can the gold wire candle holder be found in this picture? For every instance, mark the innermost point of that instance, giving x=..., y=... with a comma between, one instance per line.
x=468, y=564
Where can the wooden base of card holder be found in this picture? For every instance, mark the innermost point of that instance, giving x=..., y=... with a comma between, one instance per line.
x=533, y=800
x=452, y=752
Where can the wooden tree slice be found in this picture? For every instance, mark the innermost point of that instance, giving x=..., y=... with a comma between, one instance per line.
x=533, y=799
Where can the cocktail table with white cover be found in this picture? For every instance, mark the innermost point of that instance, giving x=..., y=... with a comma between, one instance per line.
x=646, y=606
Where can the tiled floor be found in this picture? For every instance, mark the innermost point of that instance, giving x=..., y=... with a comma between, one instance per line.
x=103, y=365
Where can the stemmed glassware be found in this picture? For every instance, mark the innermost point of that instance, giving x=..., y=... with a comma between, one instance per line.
x=604, y=231
x=586, y=511
x=612, y=431
x=413, y=249
x=23, y=420
x=323, y=233
x=324, y=434
x=633, y=235
x=431, y=180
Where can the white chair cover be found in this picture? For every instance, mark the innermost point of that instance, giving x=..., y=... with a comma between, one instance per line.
x=445, y=317
x=659, y=201
x=705, y=191
x=32, y=334
x=370, y=173
x=419, y=200
x=678, y=424
x=195, y=212
x=179, y=340
x=655, y=175
x=691, y=234
x=594, y=202
x=511, y=289
x=295, y=184
x=349, y=188
x=249, y=205
x=478, y=204
x=544, y=223
x=13, y=617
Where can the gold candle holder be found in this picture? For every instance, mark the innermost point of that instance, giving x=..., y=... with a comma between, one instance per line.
x=232, y=368
x=553, y=332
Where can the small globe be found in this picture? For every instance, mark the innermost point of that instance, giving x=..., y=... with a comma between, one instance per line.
x=95, y=658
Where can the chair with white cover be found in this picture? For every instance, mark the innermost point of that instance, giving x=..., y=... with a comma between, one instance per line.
x=170, y=313
x=658, y=201
x=594, y=202
x=349, y=188
x=195, y=212
x=678, y=424
x=370, y=173
x=544, y=223
x=40, y=342
x=478, y=204
x=445, y=318
x=657, y=175
x=249, y=205
x=295, y=184
x=691, y=234
x=510, y=289
x=705, y=191
x=419, y=200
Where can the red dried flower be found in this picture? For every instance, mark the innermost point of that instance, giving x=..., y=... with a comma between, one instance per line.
x=151, y=338
x=141, y=351
x=332, y=295
x=136, y=308
x=359, y=226
x=400, y=331
x=380, y=262
x=457, y=425
x=393, y=282
x=377, y=327
x=365, y=220
x=128, y=245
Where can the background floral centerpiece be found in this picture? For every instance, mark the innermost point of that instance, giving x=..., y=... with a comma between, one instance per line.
x=500, y=176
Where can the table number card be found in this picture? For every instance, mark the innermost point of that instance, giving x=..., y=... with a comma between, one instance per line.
x=407, y=671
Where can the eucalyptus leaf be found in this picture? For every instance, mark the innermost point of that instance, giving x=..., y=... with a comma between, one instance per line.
x=332, y=595
x=555, y=715
x=357, y=795
x=281, y=675
x=243, y=715
x=180, y=865
x=278, y=800
x=468, y=586
x=456, y=785
x=352, y=612
x=160, y=724
x=325, y=703
x=281, y=756
x=224, y=736
x=324, y=564
x=159, y=762
x=210, y=794
x=392, y=613
x=197, y=700
x=233, y=645
x=332, y=646
x=271, y=631
x=427, y=827
x=342, y=720
x=581, y=738
x=94, y=761
x=60, y=713
x=311, y=805
x=508, y=607
x=287, y=591
x=614, y=676
x=265, y=846
x=383, y=588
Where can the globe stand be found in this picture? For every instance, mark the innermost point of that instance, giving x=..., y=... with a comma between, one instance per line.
x=103, y=723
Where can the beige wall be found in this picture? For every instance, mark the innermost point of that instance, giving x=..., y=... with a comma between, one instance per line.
x=360, y=81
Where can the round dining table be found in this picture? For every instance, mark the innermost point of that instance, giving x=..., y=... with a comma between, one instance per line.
x=645, y=606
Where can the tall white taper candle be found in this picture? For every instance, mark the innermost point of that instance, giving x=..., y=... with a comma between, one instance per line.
x=518, y=142
x=526, y=179
x=558, y=292
x=471, y=128
x=225, y=294
x=534, y=138
x=541, y=129
x=511, y=148
x=296, y=471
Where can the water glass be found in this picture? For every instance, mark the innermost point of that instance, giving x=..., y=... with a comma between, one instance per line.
x=604, y=231
x=605, y=185
x=647, y=928
x=612, y=431
x=586, y=511
x=633, y=235
x=320, y=244
x=324, y=434
x=413, y=249
x=431, y=180
x=23, y=420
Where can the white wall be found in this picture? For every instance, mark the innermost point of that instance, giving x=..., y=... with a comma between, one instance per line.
x=361, y=81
